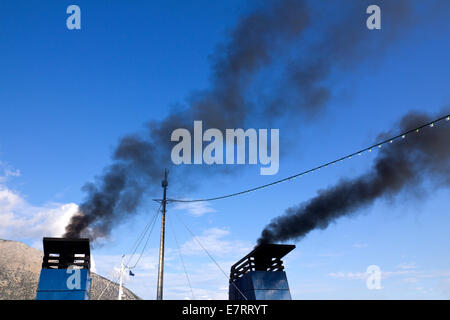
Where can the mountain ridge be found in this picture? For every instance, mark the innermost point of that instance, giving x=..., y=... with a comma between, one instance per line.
x=20, y=267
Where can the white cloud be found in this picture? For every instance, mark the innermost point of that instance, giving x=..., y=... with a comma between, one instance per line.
x=410, y=280
x=21, y=220
x=9, y=200
x=364, y=275
x=311, y=288
x=8, y=171
x=330, y=255
x=407, y=265
x=196, y=209
x=212, y=240
x=360, y=245
x=408, y=275
x=93, y=267
x=444, y=287
x=349, y=275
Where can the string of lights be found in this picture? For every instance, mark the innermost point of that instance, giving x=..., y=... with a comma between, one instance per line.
x=402, y=135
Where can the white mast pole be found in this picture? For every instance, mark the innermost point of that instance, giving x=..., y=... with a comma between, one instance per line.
x=122, y=269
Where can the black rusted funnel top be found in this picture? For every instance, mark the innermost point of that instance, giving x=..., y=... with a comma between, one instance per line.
x=60, y=253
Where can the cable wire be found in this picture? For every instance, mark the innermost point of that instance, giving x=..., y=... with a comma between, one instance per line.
x=141, y=236
x=146, y=242
x=210, y=256
x=181, y=258
x=359, y=152
x=151, y=224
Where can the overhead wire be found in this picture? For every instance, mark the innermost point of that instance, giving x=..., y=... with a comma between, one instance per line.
x=152, y=225
x=348, y=156
x=142, y=234
x=181, y=258
x=139, y=239
x=210, y=256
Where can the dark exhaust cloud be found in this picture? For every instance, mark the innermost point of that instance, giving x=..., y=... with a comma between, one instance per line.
x=140, y=160
x=344, y=44
x=403, y=165
x=258, y=40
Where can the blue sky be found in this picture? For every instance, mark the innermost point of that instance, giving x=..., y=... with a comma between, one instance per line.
x=66, y=97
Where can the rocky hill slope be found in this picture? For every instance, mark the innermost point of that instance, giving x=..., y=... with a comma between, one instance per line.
x=20, y=267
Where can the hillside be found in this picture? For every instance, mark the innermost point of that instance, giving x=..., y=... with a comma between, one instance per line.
x=20, y=267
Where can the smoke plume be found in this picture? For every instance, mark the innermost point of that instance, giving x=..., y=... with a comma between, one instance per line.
x=403, y=165
x=259, y=39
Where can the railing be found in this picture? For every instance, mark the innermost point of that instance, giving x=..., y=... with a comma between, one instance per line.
x=63, y=253
x=57, y=261
x=262, y=258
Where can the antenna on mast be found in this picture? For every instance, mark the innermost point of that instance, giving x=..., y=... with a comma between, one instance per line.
x=164, y=184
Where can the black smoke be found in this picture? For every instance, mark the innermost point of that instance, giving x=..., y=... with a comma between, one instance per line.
x=403, y=165
x=259, y=39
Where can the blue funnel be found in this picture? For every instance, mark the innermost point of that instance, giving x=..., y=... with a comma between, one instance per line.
x=65, y=273
x=260, y=274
